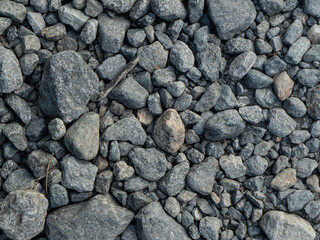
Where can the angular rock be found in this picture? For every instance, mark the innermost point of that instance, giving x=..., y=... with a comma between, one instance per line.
x=20, y=107
x=82, y=137
x=16, y=134
x=224, y=125
x=66, y=86
x=227, y=100
x=165, y=227
x=293, y=32
x=233, y=166
x=181, y=56
x=280, y=123
x=4, y=24
x=201, y=177
x=238, y=45
x=36, y=21
x=209, y=228
x=169, y=10
x=78, y=175
x=283, y=85
x=298, y=199
x=72, y=17
x=127, y=129
x=313, y=54
x=305, y=167
x=58, y=196
x=284, y=179
x=311, y=7
x=38, y=162
x=118, y=6
x=297, y=50
x=256, y=165
x=153, y=56
x=10, y=72
x=256, y=79
x=209, y=61
x=241, y=65
x=313, y=100
x=16, y=11
x=23, y=214
x=209, y=99
x=251, y=114
x=231, y=17
x=130, y=93
x=89, y=31
x=112, y=32
x=308, y=77
x=111, y=67
x=122, y=171
x=149, y=163
x=295, y=107
x=99, y=218
x=274, y=66
x=169, y=131
x=272, y=7
x=313, y=34
x=281, y=225
x=54, y=32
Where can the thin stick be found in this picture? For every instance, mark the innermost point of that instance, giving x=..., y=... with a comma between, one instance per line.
x=118, y=79
x=47, y=173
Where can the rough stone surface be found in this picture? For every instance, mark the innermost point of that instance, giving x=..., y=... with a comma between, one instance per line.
x=181, y=56
x=116, y=6
x=233, y=166
x=241, y=65
x=16, y=11
x=38, y=161
x=313, y=99
x=283, y=85
x=169, y=10
x=280, y=123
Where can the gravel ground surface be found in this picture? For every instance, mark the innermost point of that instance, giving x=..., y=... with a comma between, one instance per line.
x=159, y=119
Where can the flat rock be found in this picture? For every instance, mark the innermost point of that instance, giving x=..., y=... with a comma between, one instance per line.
x=16, y=11
x=20, y=107
x=16, y=134
x=231, y=17
x=130, y=93
x=209, y=61
x=272, y=7
x=283, y=86
x=280, y=123
x=281, y=225
x=168, y=10
x=149, y=163
x=112, y=32
x=313, y=100
x=4, y=24
x=117, y=6
x=169, y=131
x=224, y=125
x=23, y=214
x=38, y=162
x=298, y=199
x=99, y=218
x=165, y=227
x=10, y=72
x=66, y=86
x=77, y=174
x=241, y=65
x=82, y=137
x=127, y=129
x=153, y=56
x=313, y=54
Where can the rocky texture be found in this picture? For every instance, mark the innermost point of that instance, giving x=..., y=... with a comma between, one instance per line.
x=313, y=103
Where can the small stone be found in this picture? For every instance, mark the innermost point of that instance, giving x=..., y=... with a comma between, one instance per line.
x=293, y=33
x=311, y=7
x=172, y=207
x=93, y=8
x=122, y=171
x=39, y=162
x=209, y=99
x=284, y=179
x=153, y=56
x=127, y=129
x=136, y=37
x=58, y=196
x=202, y=176
x=135, y=184
x=162, y=77
x=232, y=165
x=168, y=10
x=313, y=99
x=299, y=136
x=241, y=65
x=149, y=163
x=7, y=168
x=313, y=209
x=280, y=123
x=117, y=6
x=209, y=228
x=72, y=17
x=57, y=129
x=139, y=9
x=16, y=11
x=227, y=100
x=89, y=31
x=312, y=54
x=237, y=46
x=112, y=32
x=314, y=34
x=4, y=24
x=272, y=7
x=200, y=38
x=20, y=107
x=103, y=181
x=224, y=125
x=256, y=165
x=36, y=21
x=255, y=79
x=24, y=213
x=230, y=17
x=16, y=134
x=169, y=131
x=181, y=56
x=78, y=175
x=274, y=66
x=10, y=72
x=297, y=50
x=308, y=77
x=281, y=225
x=28, y=63
x=305, y=167
x=251, y=114
x=55, y=32
x=283, y=85
x=298, y=199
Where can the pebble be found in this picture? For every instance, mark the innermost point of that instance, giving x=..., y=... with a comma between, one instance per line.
x=297, y=50
x=295, y=107
x=209, y=99
x=284, y=180
x=241, y=65
x=38, y=161
x=255, y=79
x=293, y=33
x=181, y=56
x=312, y=103
x=16, y=11
x=20, y=107
x=16, y=134
x=168, y=10
x=232, y=166
x=283, y=86
x=314, y=34
x=251, y=114
x=280, y=123
x=72, y=17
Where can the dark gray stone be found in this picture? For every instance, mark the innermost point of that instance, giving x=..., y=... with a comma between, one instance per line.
x=209, y=99
x=24, y=213
x=136, y=37
x=227, y=100
x=297, y=50
x=251, y=114
x=16, y=134
x=209, y=228
x=237, y=46
x=293, y=33
x=181, y=56
x=313, y=99
x=311, y=7
x=224, y=125
x=16, y=11
x=168, y=10
x=195, y=10
x=103, y=182
x=20, y=107
x=241, y=65
x=166, y=227
x=54, y=32
x=127, y=129
x=231, y=17
x=117, y=6
x=256, y=79
x=272, y=7
x=232, y=165
x=308, y=77
x=93, y=8
x=162, y=77
x=111, y=67
x=139, y=9
x=298, y=199
x=28, y=63
x=305, y=167
x=38, y=162
x=256, y=165
x=78, y=175
x=57, y=129
x=89, y=31
x=266, y=98
x=58, y=196
x=200, y=38
x=274, y=66
x=72, y=17
x=280, y=123
x=112, y=32
x=313, y=54
x=66, y=87
x=4, y=24
x=101, y=216
x=122, y=171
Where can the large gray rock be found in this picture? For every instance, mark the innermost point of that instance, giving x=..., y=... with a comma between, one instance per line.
x=72, y=17
x=112, y=32
x=127, y=129
x=313, y=100
x=16, y=11
x=169, y=131
x=149, y=163
x=202, y=176
x=10, y=72
x=100, y=218
x=23, y=214
x=130, y=93
x=118, y=6
x=280, y=123
x=280, y=225
x=223, y=125
x=231, y=16
x=168, y=10
x=209, y=61
x=82, y=137
x=152, y=222
x=78, y=175
x=66, y=86
x=312, y=7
